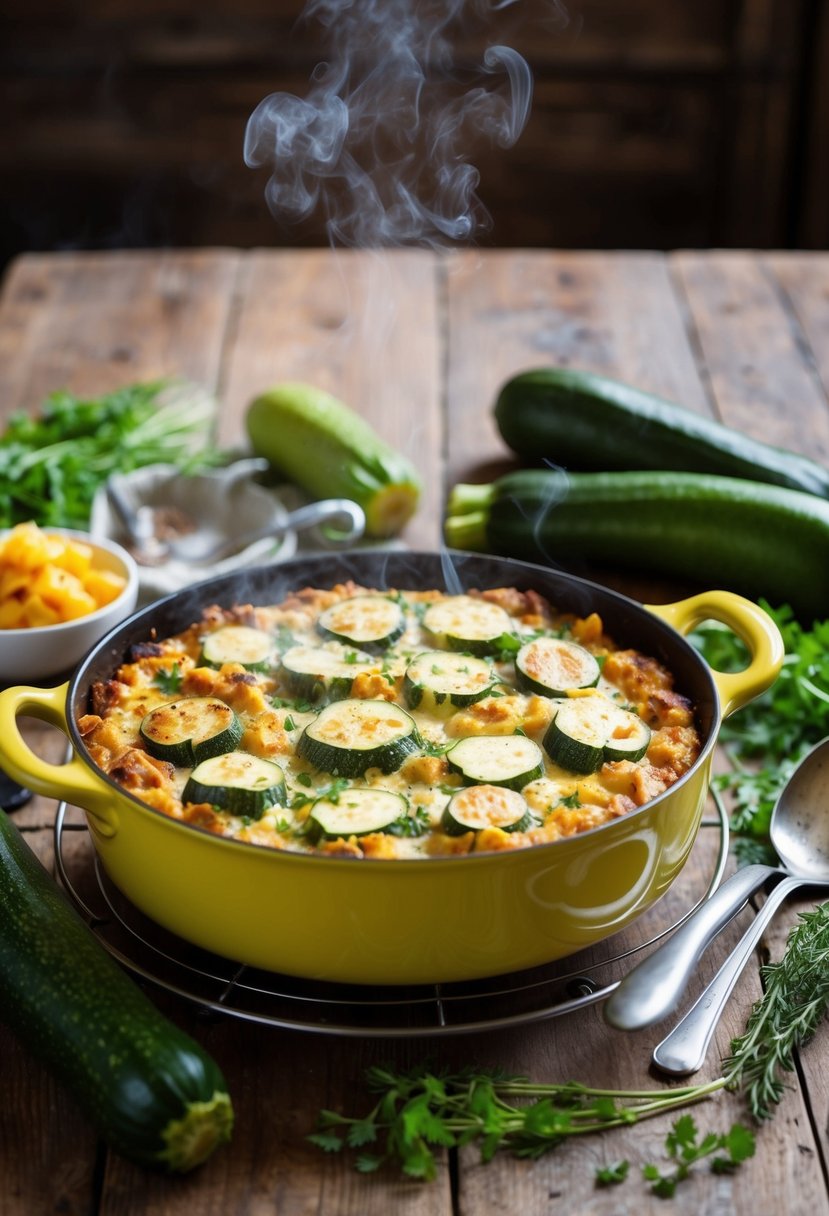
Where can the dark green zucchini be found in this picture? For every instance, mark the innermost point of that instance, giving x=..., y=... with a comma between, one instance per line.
x=759, y=540
x=190, y=730
x=467, y=623
x=440, y=679
x=355, y=812
x=511, y=761
x=586, y=422
x=372, y=622
x=486, y=806
x=323, y=673
x=237, y=782
x=589, y=731
x=349, y=737
x=553, y=667
x=252, y=648
x=154, y=1094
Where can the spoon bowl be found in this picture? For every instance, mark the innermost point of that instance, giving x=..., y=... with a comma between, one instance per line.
x=800, y=835
x=800, y=819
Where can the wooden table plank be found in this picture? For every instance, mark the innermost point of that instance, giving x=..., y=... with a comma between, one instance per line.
x=800, y=279
x=753, y=349
x=613, y=313
x=378, y=335
x=362, y=327
x=90, y=322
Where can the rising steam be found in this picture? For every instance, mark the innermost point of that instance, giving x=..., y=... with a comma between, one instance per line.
x=380, y=144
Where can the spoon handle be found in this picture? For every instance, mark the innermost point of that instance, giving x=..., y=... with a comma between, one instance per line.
x=652, y=989
x=683, y=1050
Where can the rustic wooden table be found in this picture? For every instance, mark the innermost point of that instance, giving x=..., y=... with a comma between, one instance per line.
x=419, y=345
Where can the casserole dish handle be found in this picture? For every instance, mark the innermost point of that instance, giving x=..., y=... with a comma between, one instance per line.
x=74, y=781
x=751, y=624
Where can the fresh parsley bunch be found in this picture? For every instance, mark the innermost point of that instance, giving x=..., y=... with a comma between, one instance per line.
x=766, y=739
x=52, y=464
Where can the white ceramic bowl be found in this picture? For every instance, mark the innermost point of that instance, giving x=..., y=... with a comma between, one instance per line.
x=52, y=651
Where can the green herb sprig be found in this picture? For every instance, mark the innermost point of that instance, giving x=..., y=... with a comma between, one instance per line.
x=685, y=1148
x=421, y=1110
x=767, y=738
x=793, y=1005
x=169, y=679
x=52, y=464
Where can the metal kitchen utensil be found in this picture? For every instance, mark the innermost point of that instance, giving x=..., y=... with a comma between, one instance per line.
x=683, y=1051
x=800, y=835
x=343, y=522
x=162, y=533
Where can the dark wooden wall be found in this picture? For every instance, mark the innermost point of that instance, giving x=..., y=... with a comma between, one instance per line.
x=655, y=123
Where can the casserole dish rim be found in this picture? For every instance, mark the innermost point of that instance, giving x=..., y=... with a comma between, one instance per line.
x=79, y=685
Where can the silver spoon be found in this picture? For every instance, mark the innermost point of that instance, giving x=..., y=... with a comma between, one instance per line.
x=800, y=835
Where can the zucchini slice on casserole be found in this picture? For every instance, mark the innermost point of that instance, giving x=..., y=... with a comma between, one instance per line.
x=507, y=760
x=466, y=623
x=441, y=678
x=349, y=737
x=554, y=666
x=237, y=782
x=486, y=806
x=188, y=731
x=323, y=673
x=589, y=731
x=356, y=812
x=253, y=648
x=373, y=622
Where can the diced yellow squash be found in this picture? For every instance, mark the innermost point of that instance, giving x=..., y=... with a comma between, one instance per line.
x=11, y=614
x=103, y=585
x=37, y=613
x=27, y=547
x=12, y=581
x=64, y=592
x=76, y=557
x=46, y=579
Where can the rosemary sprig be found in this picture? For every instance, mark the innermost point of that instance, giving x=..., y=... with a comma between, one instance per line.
x=793, y=1005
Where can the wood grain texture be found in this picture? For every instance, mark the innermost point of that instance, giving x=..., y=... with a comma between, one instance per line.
x=610, y=313
x=362, y=327
x=419, y=347
x=92, y=322
x=753, y=349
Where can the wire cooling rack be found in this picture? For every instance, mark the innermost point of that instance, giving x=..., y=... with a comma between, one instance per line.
x=236, y=990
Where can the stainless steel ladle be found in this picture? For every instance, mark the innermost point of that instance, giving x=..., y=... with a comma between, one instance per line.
x=800, y=835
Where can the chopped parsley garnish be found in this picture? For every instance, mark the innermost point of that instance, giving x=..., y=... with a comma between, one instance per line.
x=417, y=824
x=169, y=680
x=571, y=801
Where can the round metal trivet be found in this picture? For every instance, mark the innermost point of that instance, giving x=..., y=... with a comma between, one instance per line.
x=223, y=986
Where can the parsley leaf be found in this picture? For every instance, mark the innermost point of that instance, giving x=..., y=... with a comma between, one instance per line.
x=168, y=680
x=685, y=1147
x=613, y=1174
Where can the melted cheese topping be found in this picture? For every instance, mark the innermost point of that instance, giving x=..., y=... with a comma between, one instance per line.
x=273, y=716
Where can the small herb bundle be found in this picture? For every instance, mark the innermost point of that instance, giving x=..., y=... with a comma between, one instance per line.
x=52, y=464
